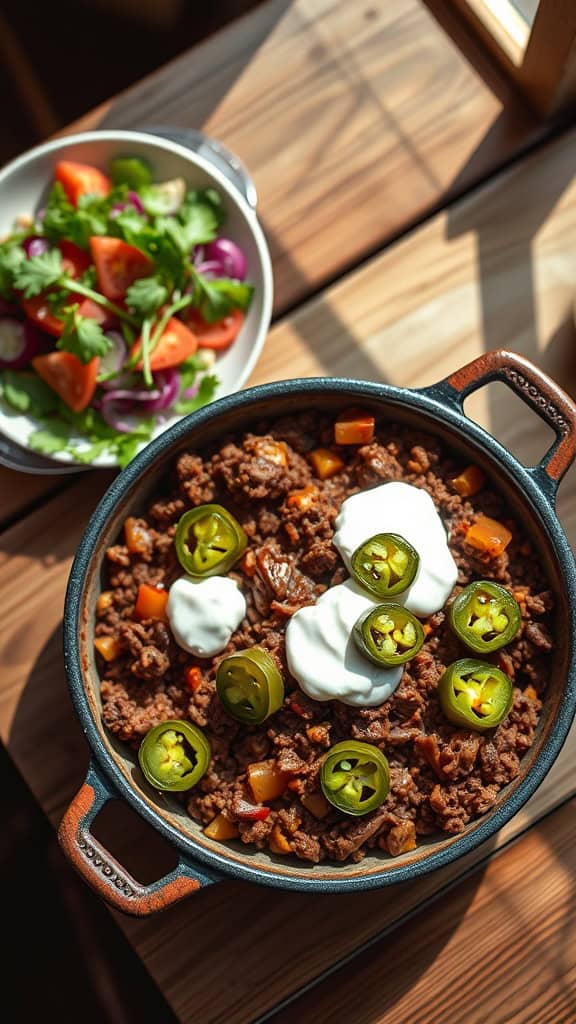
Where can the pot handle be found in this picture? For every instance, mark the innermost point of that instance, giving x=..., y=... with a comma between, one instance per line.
x=103, y=872
x=537, y=390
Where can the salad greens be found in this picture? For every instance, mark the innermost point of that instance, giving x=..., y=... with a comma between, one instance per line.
x=110, y=304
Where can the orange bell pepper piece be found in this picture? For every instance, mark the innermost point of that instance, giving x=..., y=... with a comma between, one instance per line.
x=317, y=804
x=221, y=829
x=107, y=646
x=354, y=426
x=278, y=842
x=304, y=499
x=489, y=536
x=138, y=540
x=325, y=462
x=151, y=603
x=104, y=602
x=273, y=451
x=266, y=781
x=469, y=482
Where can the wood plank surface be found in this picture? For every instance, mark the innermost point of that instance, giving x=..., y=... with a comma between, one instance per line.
x=21, y=491
x=443, y=965
x=355, y=119
x=412, y=315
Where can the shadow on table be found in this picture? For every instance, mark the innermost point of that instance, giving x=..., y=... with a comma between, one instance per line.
x=211, y=88
x=505, y=243
x=506, y=273
x=65, y=957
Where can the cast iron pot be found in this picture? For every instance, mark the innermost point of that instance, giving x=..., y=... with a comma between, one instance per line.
x=114, y=770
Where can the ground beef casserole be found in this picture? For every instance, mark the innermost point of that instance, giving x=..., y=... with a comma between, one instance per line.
x=441, y=776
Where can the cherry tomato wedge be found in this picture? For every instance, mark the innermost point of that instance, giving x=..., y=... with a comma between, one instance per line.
x=38, y=311
x=74, y=259
x=175, y=345
x=219, y=335
x=118, y=265
x=74, y=381
x=174, y=755
x=93, y=311
x=81, y=179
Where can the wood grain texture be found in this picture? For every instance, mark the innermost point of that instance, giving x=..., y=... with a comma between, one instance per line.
x=354, y=119
x=443, y=965
x=496, y=270
x=20, y=491
x=413, y=315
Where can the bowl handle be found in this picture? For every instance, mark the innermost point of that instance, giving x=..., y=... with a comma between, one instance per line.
x=535, y=388
x=103, y=872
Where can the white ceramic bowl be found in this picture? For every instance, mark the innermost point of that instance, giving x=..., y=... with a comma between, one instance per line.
x=25, y=181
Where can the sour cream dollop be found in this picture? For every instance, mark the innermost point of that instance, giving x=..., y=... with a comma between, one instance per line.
x=410, y=512
x=322, y=654
x=203, y=614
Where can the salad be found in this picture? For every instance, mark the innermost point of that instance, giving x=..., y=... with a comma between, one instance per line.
x=114, y=300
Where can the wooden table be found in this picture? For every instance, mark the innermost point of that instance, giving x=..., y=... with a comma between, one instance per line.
x=417, y=217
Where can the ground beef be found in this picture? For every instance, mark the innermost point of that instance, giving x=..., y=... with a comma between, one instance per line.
x=442, y=777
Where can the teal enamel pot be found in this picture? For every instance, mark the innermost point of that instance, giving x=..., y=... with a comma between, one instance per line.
x=114, y=772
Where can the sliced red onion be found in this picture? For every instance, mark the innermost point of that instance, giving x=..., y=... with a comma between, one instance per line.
x=115, y=358
x=20, y=341
x=123, y=408
x=35, y=246
x=211, y=268
x=192, y=391
x=136, y=396
x=229, y=255
x=168, y=383
x=119, y=413
x=198, y=255
x=137, y=203
x=132, y=200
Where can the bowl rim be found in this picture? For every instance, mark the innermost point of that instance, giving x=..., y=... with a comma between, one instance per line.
x=120, y=135
x=521, y=477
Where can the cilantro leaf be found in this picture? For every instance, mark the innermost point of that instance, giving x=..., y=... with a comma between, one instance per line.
x=163, y=252
x=206, y=197
x=206, y=393
x=38, y=273
x=163, y=198
x=128, y=224
x=147, y=295
x=52, y=438
x=190, y=369
x=216, y=298
x=126, y=448
x=193, y=225
x=82, y=336
x=27, y=393
x=11, y=258
x=78, y=223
